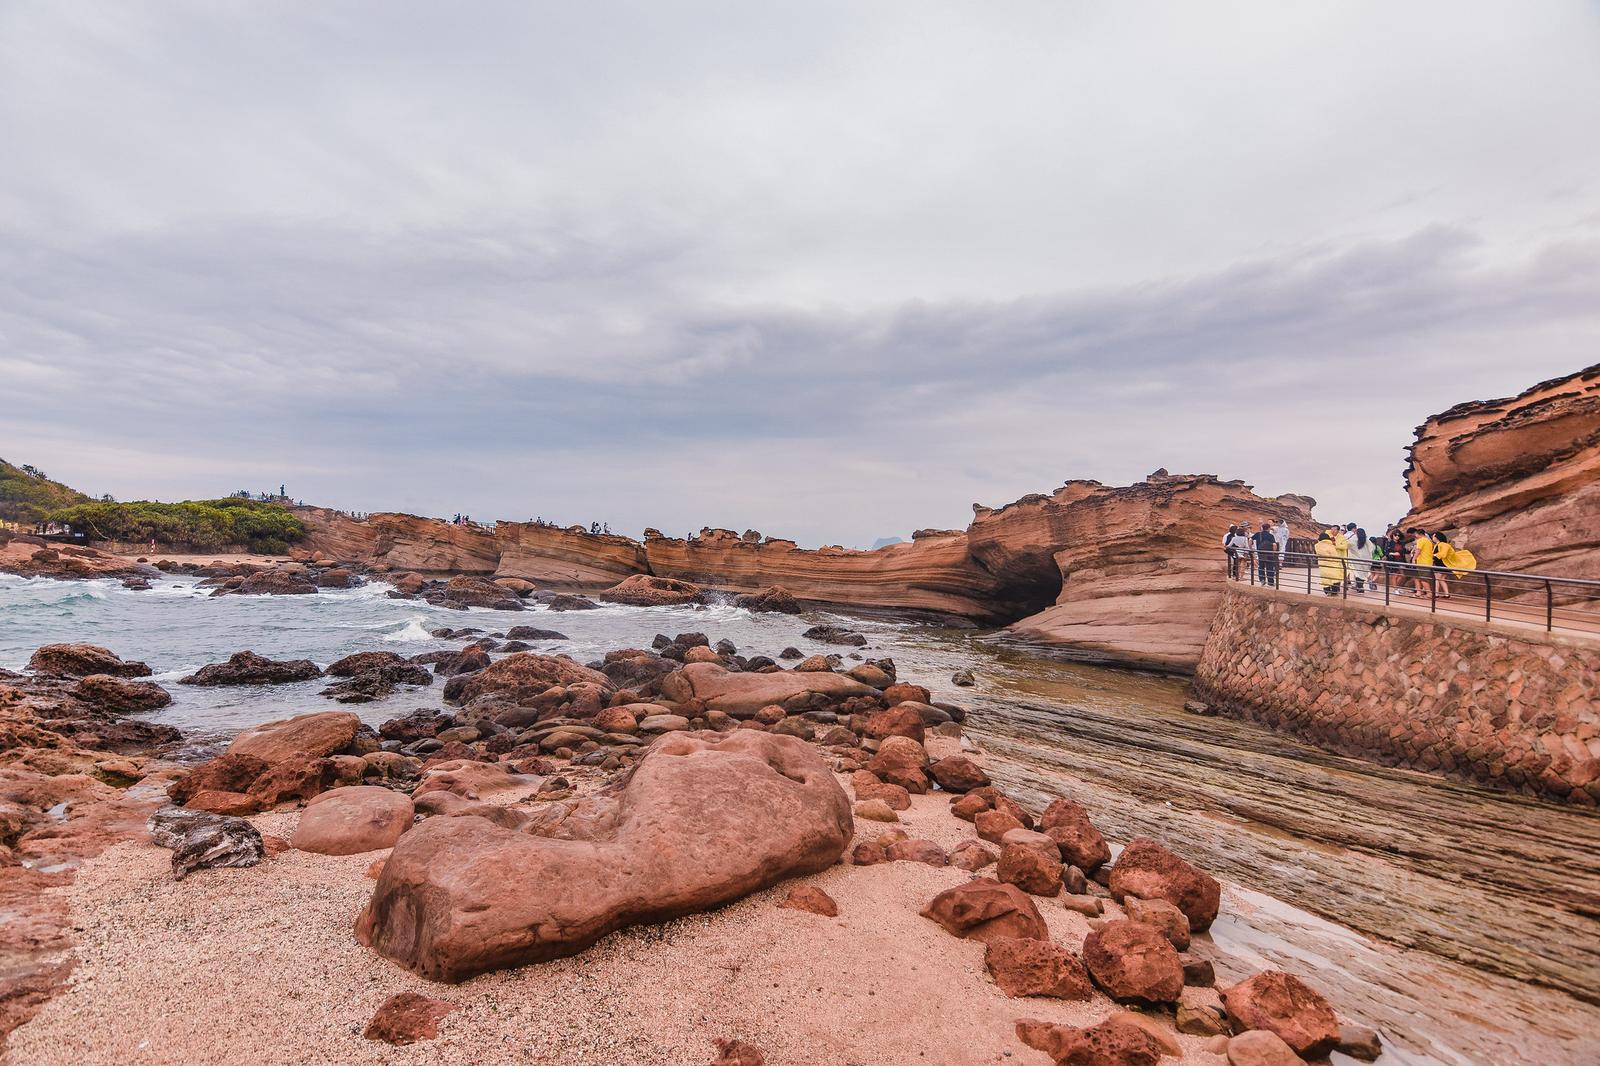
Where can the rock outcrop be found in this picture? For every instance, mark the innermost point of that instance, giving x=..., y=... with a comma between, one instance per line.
x=1134, y=574
x=698, y=822
x=1516, y=480
x=1123, y=573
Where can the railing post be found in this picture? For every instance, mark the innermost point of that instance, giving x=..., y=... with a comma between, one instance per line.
x=1308, y=579
x=1433, y=590
x=1488, y=599
x=1386, y=586
x=1549, y=606
x=1344, y=580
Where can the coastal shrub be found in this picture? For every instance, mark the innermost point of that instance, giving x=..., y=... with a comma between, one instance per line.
x=204, y=525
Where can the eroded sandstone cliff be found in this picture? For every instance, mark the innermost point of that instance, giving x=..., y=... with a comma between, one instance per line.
x=1129, y=573
x=1518, y=479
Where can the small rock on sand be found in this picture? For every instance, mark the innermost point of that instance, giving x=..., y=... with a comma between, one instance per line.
x=407, y=1018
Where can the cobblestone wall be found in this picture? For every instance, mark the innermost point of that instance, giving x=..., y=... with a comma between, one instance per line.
x=1455, y=697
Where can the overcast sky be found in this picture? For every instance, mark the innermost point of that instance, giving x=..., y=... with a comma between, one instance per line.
x=829, y=270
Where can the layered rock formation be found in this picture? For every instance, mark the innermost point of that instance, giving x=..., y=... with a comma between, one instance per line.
x=1138, y=568
x=1124, y=573
x=1518, y=479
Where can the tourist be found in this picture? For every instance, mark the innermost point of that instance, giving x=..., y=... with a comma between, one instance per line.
x=1330, y=567
x=1266, y=544
x=1239, y=549
x=1282, y=536
x=1422, y=563
x=1227, y=548
x=1360, y=553
x=1442, y=551
x=1341, y=545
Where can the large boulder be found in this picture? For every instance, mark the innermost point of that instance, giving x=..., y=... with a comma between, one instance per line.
x=644, y=590
x=465, y=591
x=363, y=662
x=1149, y=871
x=81, y=660
x=1081, y=844
x=201, y=841
x=1113, y=1042
x=1134, y=963
x=983, y=909
x=1024, y=967
x=743, y=694
x=232, y=774
x=1281, y=1003
x=315, y=735
x=772, y=598
x=354, y=819
x=248, y=668
x=523, y=676
x=274, y=583
x=118, y=695
x=698, y=822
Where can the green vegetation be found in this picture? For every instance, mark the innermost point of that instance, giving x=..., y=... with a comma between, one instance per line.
x=197, y=525
x=27, y=495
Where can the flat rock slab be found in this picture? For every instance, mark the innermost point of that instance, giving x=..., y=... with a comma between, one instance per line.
x=743, y=694
x=701, y=820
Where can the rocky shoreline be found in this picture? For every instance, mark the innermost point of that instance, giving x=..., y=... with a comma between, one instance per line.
x=645, y=787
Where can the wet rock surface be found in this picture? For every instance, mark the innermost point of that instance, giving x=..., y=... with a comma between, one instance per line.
x=248, y=668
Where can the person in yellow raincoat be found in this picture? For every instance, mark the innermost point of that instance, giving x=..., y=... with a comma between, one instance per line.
x=1341, y=545
x=1330, y=564
x=1423, y=557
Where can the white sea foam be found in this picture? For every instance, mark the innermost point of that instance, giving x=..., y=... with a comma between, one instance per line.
x=410, y=633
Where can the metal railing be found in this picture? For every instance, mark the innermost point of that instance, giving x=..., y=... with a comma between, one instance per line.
x=1566, y=603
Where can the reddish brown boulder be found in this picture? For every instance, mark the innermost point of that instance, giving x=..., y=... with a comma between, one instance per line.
x=983, y=909
x=523, y=676
x=306, y=735
x=1258, y=1047
x=738, y=1052
x=120, y=696
x=1024, y=967
x=616, y=720
x=970, y=806
x=1162, y=916
x=741, y=694
x=1281, y=1003
x=903, y=693
x=899, y=761
x=811, y=898
x=1081, y=844
x=294, y=779
x=957, y=773
x=363, y=662
x=248, y=668
x=971, y=856
x=1149, y=871
x=225, y=773
x=699, y=821
x=1030, y=868
x=351, y=820
x=896, y=722
x=1133, y=963
x=215, y=802
x=1111, y=1043
x=992, y=825
x=407, y=1018
x=923, y=851
x=867, y=786
x=81, y=660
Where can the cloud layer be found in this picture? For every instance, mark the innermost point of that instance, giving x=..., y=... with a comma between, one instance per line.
x=828, y=271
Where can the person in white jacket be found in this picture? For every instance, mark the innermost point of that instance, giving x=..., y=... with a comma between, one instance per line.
x=1360, y=560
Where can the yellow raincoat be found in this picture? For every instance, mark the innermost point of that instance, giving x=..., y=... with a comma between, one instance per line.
x=1424, y=551
x=1330, y=564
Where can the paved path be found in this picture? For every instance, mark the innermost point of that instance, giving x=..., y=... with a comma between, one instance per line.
x=1467, y=601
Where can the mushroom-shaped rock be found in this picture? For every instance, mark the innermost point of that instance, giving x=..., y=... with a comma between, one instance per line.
x=351, y=820
x=1281, y=1003
x=698, y=822
x=1133, y=963
x=1149, y=871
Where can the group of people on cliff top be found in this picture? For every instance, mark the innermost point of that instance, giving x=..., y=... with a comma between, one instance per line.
x=1409, y=561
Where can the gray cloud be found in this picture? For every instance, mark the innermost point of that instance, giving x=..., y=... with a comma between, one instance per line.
x=737, y=272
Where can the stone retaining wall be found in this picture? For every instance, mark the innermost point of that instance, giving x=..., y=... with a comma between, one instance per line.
x=1514, y=709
